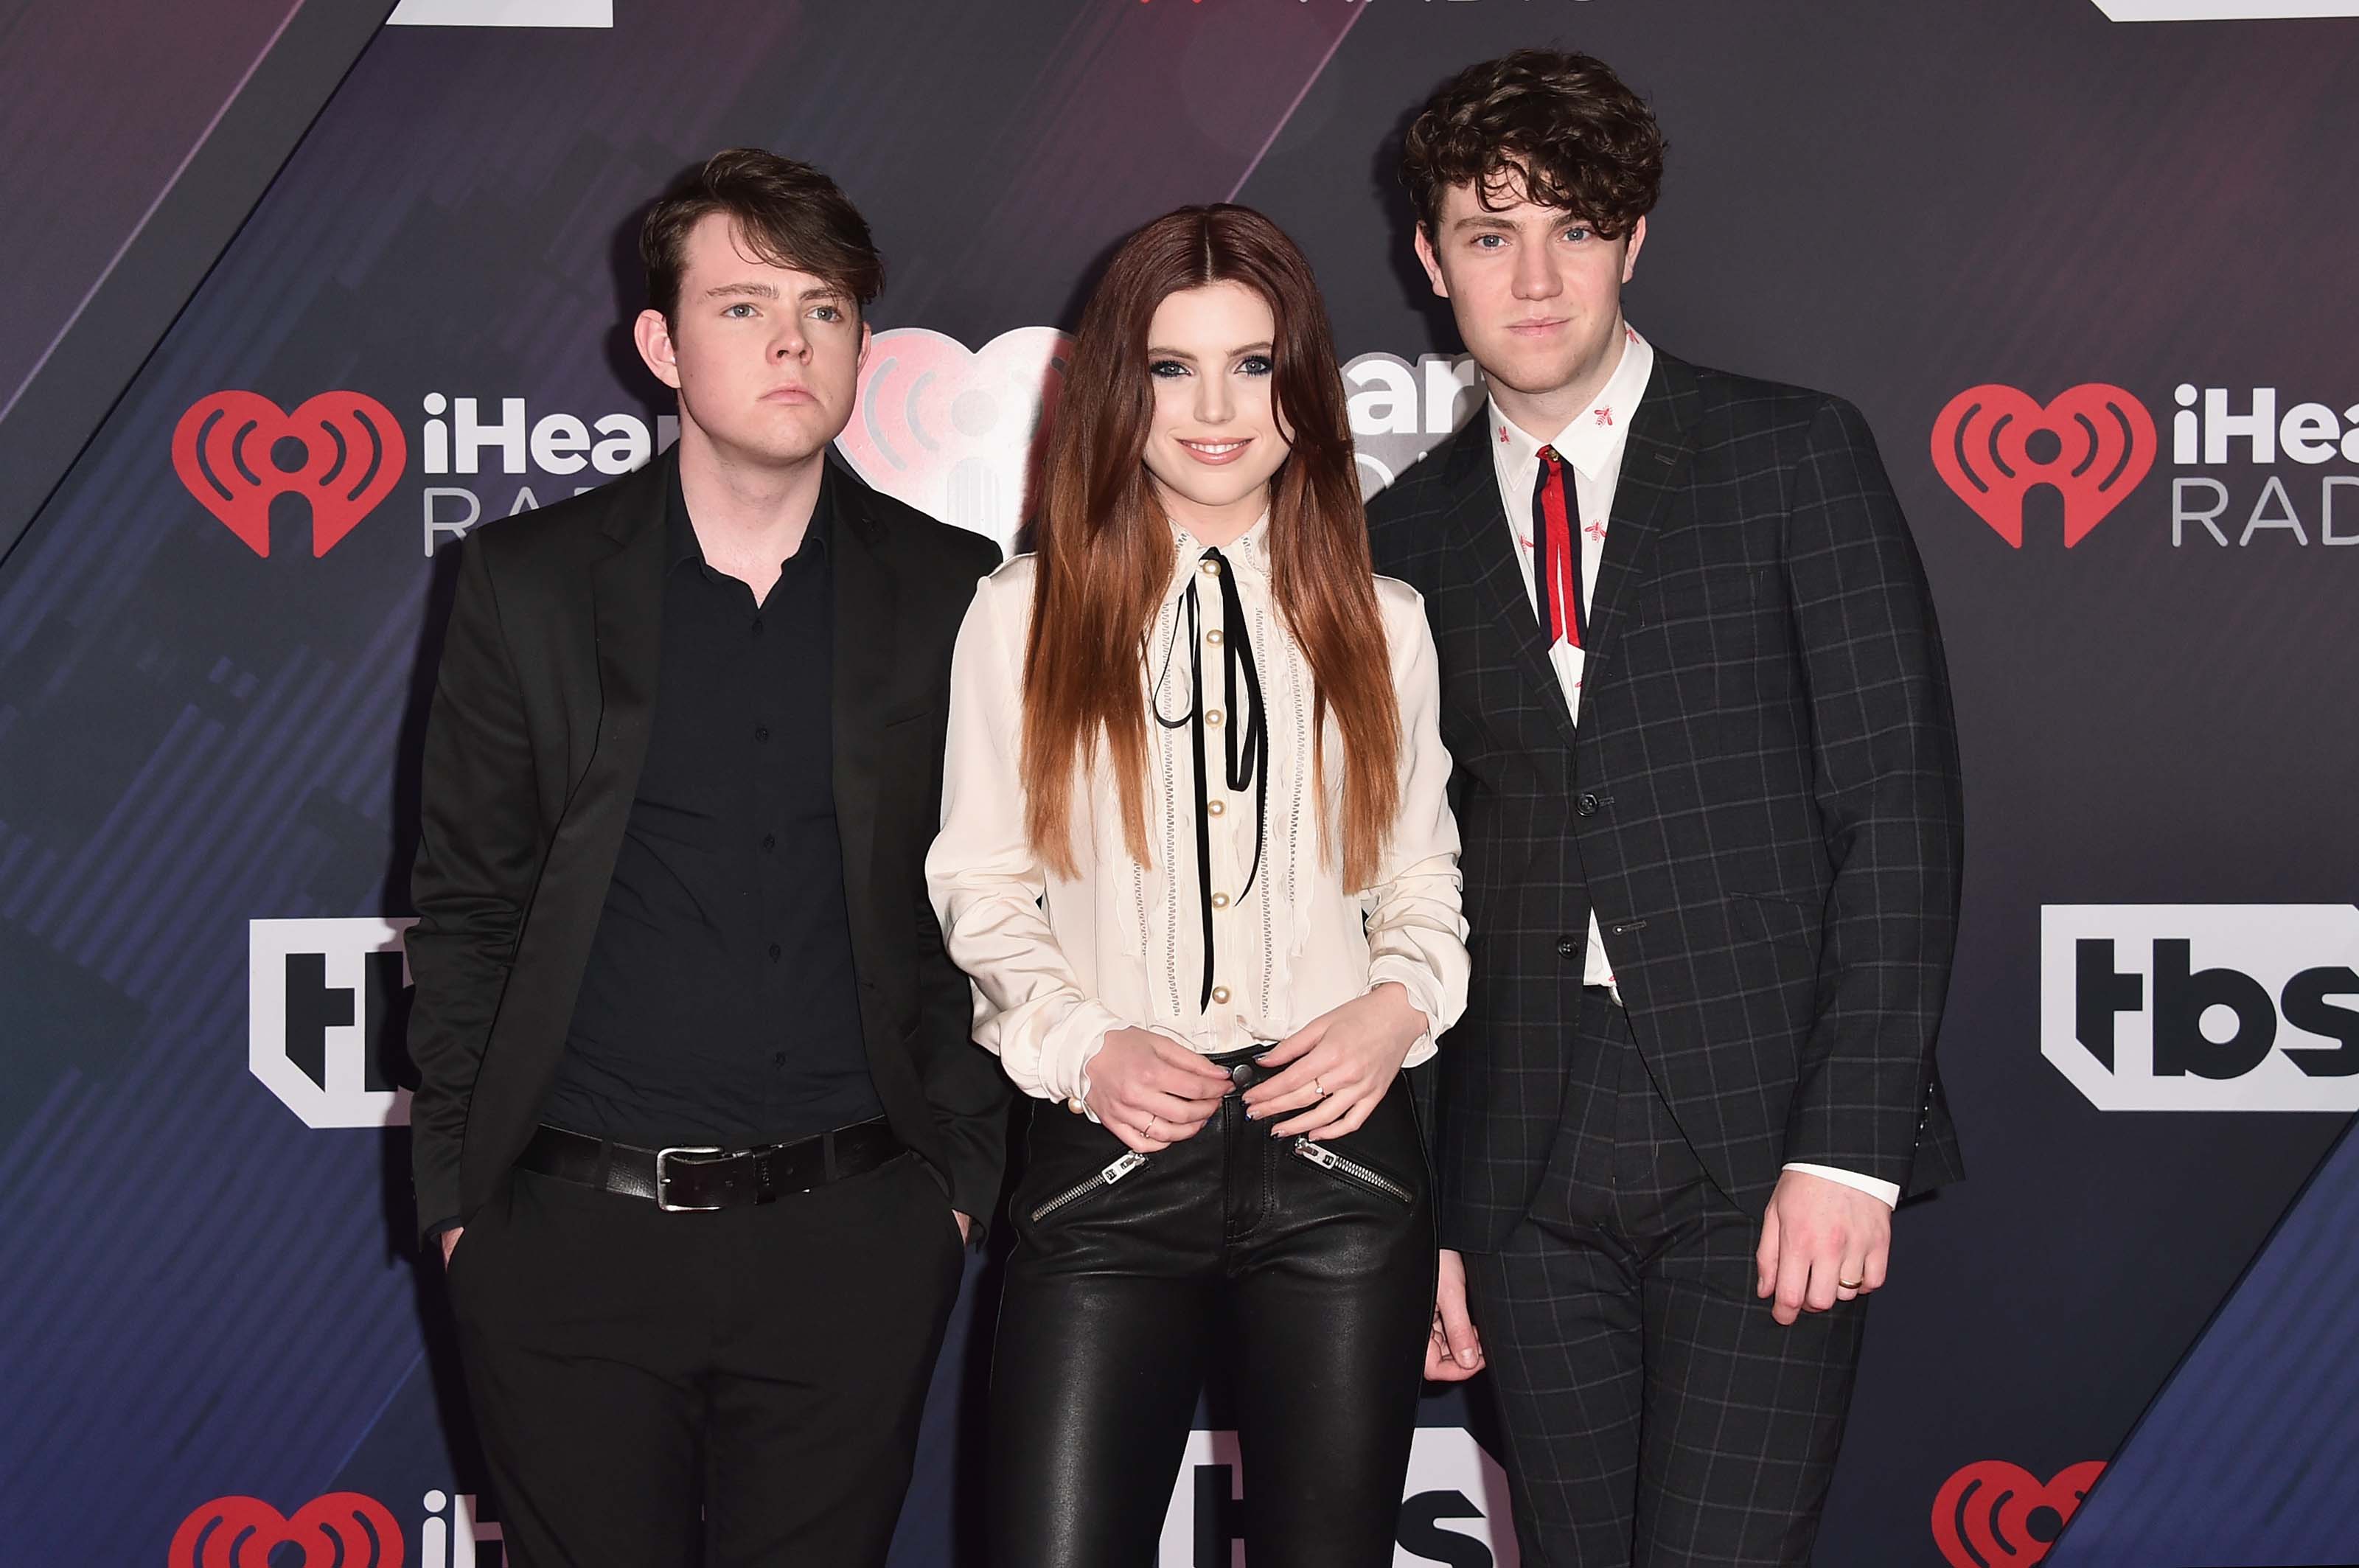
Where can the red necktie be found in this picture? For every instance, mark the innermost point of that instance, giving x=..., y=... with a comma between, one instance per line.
x=1562, y=618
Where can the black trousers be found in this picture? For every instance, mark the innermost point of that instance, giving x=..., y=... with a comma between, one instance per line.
x=743, y=1388
x=1656, y=1414
x=1314, y=1285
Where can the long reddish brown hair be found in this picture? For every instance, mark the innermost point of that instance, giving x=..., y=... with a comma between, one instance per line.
x=1103, y=545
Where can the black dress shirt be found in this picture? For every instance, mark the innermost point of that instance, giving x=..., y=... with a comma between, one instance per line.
x=719, y=1006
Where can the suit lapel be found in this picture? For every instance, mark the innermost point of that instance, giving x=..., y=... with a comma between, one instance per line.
x=865, y=645
x=627, y=605
x=1653, y=465
x=1488, y=554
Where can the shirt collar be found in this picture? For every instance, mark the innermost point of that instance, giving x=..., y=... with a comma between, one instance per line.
x=1248, y=553
x=1592, y=441
x=681, y=534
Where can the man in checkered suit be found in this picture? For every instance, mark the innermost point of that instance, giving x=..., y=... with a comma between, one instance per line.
x=1707, y=780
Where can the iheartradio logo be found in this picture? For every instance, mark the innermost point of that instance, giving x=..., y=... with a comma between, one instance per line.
x=956, y=433
x=342, y=1529
x=238, y=452
x=2092, y=444
x=1996, y=1515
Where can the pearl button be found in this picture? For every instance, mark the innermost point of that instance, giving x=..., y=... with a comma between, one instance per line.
x=1213, y=716
x=1219, y=900
x=1073, y=1105
x=1210, y=569
x=1214, y=636
x=1214, y=808
x=1220, y=993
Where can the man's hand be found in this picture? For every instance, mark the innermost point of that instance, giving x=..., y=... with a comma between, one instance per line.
x=1338, y=1066
x=1821, y=1243
x=966, y=1227
x=1454, y=1352
x=1150, y=1091
x=451, y=1239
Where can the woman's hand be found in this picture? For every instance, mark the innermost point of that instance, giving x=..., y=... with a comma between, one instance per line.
x=1454, y=1351
x=1152, y=1092
x=1339, y=1064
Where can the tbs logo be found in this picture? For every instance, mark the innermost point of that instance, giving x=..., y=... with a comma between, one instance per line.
x=1454, y=1512
x=2202, y=1006
x=325, y=1007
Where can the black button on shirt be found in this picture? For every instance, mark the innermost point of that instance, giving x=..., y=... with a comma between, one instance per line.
x=719, y=1004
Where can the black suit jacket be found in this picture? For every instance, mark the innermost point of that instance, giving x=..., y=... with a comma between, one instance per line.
x=1761, y=801
x=541, y=714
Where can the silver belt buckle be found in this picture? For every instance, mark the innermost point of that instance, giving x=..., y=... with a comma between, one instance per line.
x=663, y=1176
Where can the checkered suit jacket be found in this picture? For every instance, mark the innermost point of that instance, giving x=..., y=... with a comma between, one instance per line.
x=1761, y=800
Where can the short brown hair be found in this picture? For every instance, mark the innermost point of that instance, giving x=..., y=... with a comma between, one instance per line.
x=1560, y=128
x=787, y=213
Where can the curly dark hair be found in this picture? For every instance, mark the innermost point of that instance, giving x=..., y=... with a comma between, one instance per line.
x=786, y=212
x=1559, y=129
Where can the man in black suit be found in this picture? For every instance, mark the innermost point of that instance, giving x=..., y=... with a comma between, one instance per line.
x=699, y=1123
x=1707, y=780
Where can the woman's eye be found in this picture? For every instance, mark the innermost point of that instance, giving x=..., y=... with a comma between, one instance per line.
x=1167, y=368
x=1255, y=364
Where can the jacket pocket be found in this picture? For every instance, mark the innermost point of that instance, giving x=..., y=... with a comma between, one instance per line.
x=1769, y=917
x=1131, y=1159
x=1354, y=1172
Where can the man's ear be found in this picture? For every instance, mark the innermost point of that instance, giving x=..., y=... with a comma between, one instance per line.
x=1630, y=257
x=860, y=361
x=1430, y=262
x=652, y=333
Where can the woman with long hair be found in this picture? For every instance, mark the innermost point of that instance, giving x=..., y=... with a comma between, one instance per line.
x=1197, y=858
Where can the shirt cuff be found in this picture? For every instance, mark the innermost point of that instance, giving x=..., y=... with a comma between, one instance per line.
x=1419, y=982
x=1885, y=1192
x=1081, y=1075
x=1050, y=1061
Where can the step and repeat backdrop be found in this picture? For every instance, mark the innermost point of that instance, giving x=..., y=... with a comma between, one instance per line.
x=2085, y=264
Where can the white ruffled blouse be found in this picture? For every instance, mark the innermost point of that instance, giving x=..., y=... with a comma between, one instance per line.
x=1057, y=963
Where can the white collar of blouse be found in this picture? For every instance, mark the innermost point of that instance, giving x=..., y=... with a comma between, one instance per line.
x=1248, y=553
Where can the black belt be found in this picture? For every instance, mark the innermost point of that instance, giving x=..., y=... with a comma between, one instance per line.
x=699, y=1180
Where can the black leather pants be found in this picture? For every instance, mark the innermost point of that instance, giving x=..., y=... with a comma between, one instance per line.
x=1310, y=1284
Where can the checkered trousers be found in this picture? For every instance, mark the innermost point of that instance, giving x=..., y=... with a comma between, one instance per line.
x=1655, y=1415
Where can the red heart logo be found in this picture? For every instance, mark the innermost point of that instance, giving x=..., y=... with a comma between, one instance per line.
x=353, y=453
x=1986, y=1514
x=958, y=434
x=342, y=1529
x=2104, y=443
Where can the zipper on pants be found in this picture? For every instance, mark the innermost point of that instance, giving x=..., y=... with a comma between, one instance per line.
x=1131, y=1160
x=1351, y=1170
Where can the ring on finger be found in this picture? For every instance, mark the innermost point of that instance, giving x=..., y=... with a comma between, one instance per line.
x=1317, y=1087
x=1151, y=1120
